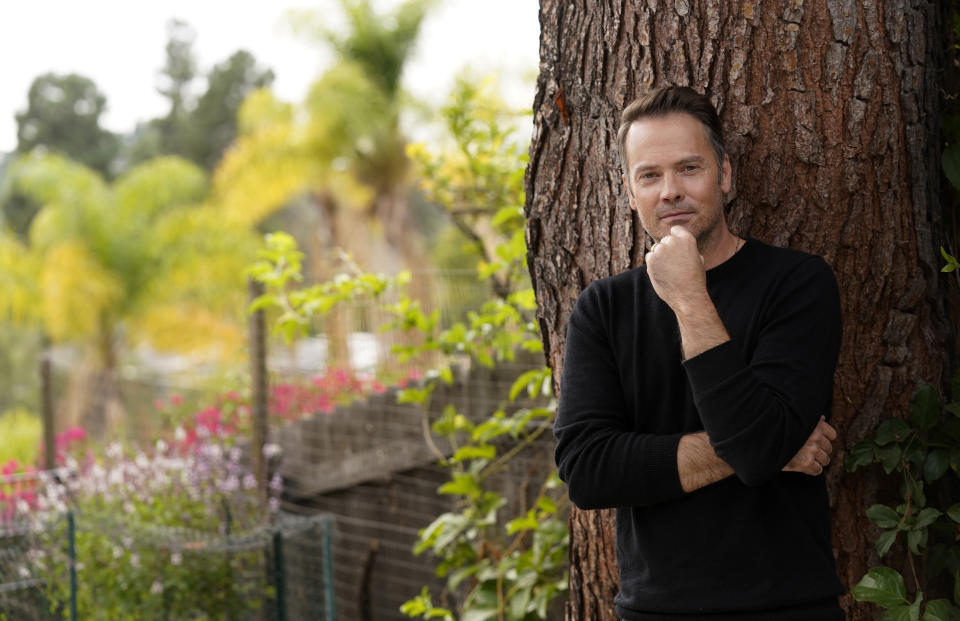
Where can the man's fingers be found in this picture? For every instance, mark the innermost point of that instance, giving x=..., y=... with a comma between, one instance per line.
x=827, y=430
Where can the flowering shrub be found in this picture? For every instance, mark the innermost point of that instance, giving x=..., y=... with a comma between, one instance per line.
x=287, y=401
x=153, y=529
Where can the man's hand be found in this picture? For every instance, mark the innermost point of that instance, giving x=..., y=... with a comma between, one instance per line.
x=815, y=453
x=676, y=270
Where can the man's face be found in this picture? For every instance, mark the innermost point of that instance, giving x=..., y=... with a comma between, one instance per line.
x=673, y=177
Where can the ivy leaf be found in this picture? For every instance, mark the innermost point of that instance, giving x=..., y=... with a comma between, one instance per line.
x=882, y=586
x=954, y=512
x=916, y=539
x=951, y=260
x=951, y=164
x=941, y=610
x=925, y=408
x=936, y=465
x=927, y=517
x=885, y=541
x=893, y=430
x=862, y=454
x=889, y=457
x=883, y=516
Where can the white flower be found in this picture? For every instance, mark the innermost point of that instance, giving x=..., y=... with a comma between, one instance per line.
x=115, y=478
x=156, y=588
x=176, y=559
x=271, y=450
x=127, y=542
x=276, y=483
x=135, y=560
x=273, y=504
x=115, y=451
x=142, y=462
x=23, y=571
x=128, y=507
x=249, y=481
x=161, y=447
x=179, y=434
x=117, y=551
x=235, y=454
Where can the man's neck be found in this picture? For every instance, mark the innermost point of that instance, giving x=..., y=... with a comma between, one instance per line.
x=719, y=247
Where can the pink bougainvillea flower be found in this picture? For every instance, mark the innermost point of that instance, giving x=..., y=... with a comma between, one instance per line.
x=11, y=467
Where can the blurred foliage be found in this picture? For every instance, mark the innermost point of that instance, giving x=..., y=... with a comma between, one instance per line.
x=63, y=115
x=143, y=254
x=21, y=434
x=478, y=178
x=504, y=567
x=198, y=128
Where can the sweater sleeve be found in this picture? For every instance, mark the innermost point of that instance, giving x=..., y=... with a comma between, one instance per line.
x=604, y=463
x=758, y=412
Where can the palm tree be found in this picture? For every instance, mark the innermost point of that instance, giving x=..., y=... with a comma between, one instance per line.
x=105, y=265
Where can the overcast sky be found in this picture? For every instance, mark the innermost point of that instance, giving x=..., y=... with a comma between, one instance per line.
x=119, y=44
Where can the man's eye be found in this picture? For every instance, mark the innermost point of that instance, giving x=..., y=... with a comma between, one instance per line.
x=690, y=168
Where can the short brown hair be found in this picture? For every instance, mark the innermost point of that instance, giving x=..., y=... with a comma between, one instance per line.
x=668, y=100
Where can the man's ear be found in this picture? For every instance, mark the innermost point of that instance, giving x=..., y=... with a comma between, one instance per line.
x=726, y=175
x=630, y=197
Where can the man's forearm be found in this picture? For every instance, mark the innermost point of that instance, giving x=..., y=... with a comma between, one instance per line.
x=700, y=327
x=697, y=464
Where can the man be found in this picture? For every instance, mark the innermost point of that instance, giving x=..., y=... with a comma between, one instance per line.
x=694, y=392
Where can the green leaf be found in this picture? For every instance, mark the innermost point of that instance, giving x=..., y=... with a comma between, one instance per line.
x=915, y=541
x=463, y=484
x=892, y=430
x=889, y=457
x=484, y=451
x=546, y=504
x=924, y=408
x=885, y=541
x=882, y=586
x=952, y=262
x=950, y=163
x=862, y=454
x=479, y=614
x=525, y=381
x=883, y=516
x=525, y=522
x=927, y=517
x=941, y=610
x=954, y=512
x=936, y=465
x=915, y=607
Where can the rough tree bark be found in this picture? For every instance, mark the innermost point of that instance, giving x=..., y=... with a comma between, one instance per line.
x=830, y=109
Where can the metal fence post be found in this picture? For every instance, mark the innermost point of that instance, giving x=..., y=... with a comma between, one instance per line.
x=46, y=407
x=278, y=577
x=328, y=570
x=258, y=373
x=72, y=553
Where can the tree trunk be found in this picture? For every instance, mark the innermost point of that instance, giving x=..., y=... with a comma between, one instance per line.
x=830, y=110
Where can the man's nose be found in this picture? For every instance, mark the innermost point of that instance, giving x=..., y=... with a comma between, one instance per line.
x=671, y=189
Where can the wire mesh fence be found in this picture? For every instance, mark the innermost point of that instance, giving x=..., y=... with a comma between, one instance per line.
x=75, y=564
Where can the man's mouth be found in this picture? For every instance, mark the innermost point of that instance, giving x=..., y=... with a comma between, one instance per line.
x=675, y=216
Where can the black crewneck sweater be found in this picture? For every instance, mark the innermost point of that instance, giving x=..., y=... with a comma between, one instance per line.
x=752, y=546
